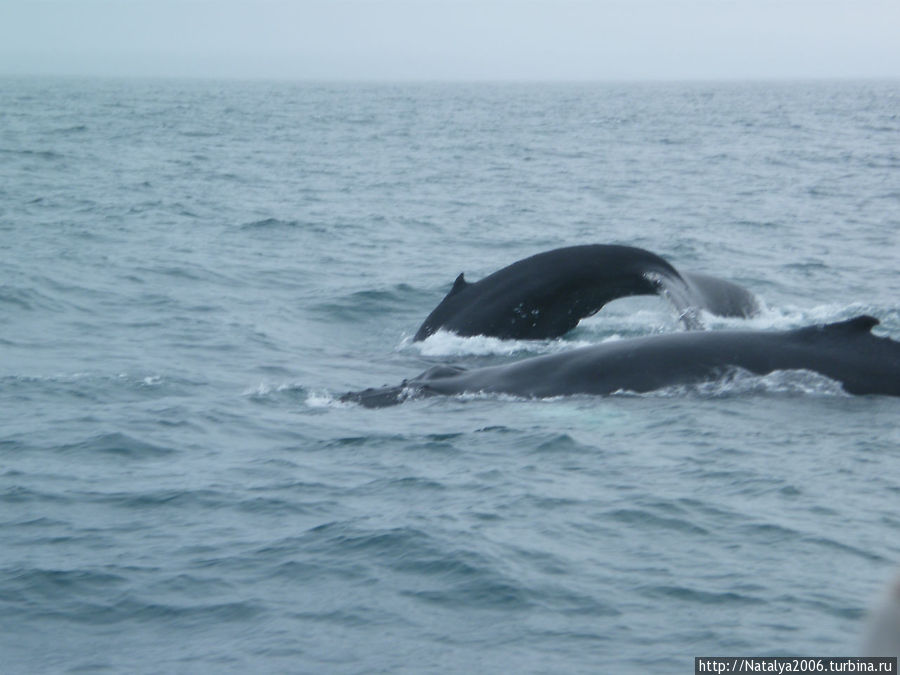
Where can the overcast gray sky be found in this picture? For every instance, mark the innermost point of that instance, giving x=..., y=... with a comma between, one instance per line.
x=453, y=39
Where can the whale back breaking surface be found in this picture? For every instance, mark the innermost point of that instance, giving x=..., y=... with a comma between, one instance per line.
x=546, y=295
x=721, y=297
x=844, y=351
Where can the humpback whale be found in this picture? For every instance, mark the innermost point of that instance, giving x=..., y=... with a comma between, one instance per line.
x=846, y=351
x=546, y=295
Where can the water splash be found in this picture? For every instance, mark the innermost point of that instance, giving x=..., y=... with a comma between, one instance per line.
x=444, y=343
x=739, y=382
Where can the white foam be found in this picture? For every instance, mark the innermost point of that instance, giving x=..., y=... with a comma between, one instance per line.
x=483, y=395
x=264, y=389
x=444, y=343
x=787, y=317
x=322, y=399
x=643, y=320
x=737, y=382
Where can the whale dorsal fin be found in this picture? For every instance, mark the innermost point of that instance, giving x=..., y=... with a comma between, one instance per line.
x=458, y=285
x=858, y=324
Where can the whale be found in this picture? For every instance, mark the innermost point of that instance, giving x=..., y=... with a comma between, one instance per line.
x=846, y=351
x=546, y=295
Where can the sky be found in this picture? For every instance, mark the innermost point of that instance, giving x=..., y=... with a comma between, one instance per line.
x=469, y=40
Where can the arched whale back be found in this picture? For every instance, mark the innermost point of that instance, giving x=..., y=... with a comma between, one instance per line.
x=546, y=295
x=846, y=352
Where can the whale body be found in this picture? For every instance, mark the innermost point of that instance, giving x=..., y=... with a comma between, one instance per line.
x=846, y=351
x=546, y=295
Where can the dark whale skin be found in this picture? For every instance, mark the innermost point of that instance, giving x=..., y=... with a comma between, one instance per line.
x=846, y=351
x=546, y=295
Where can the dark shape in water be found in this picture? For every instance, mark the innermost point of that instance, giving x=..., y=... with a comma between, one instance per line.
x=882, y=636
x=546, y=295
x=846, y=352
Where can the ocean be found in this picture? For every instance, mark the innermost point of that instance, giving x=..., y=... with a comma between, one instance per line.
x=192, y=272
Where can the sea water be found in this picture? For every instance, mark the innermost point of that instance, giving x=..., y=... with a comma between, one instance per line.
x=192, y=272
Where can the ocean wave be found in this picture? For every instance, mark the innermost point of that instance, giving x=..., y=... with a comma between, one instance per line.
x=270, y=224
x=59, y=583
x=265, y=390
x=119, y=444
x=28, y=299
x=40, y=154
x=174, y=498
x=832, y=545
x=647, y=520
x=74, y=129
x=364, y=305
x=95, y=387
x=452, y=576
x=690, y=595
x=20, y=494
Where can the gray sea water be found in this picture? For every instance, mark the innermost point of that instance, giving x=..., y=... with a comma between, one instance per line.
x=191, y=272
